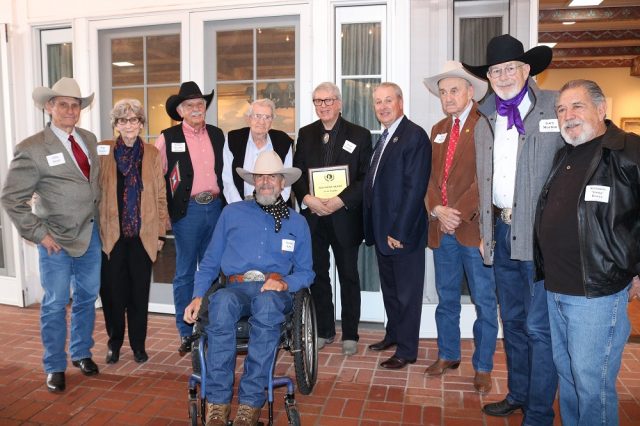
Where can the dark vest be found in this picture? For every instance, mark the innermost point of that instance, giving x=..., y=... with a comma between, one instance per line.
x=238, y=139
x=178, y=203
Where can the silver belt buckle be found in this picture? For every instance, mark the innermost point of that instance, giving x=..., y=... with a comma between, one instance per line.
x=505, y=215
x=204, y=197
x=253, y=276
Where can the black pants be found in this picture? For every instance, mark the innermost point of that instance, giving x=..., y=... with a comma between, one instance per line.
x=323, y=237
x=124, y=289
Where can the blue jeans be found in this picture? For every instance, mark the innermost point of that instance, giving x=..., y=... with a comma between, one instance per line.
x=532, y=377
x=192, y=235
x=60, y=272
x=450, y=259
x=588, y=340
x=267, y=311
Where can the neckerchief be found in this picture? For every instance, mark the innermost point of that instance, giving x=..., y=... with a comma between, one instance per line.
x=128, y=161
x=278, y=210
x=509, y=109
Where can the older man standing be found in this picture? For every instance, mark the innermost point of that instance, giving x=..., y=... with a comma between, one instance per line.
x=587, y=231
x=516, y=140
x=334, y=221
x=192, y=156
x=60, y=166
x=244, y=145
x=395, y=221
x=454, y=235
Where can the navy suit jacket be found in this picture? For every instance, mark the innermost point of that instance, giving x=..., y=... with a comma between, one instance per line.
x=395, y=205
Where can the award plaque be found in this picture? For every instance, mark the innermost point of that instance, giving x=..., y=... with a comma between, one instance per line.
x=327, y=182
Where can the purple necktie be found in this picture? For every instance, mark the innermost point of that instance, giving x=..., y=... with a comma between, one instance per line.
x=509, y=109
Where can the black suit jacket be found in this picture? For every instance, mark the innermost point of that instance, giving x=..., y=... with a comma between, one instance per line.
x=347, y=221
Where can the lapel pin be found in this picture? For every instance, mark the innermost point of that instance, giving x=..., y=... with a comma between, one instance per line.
x=395, y=139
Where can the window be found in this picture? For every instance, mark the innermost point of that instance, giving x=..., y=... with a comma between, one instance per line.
x=477, y=22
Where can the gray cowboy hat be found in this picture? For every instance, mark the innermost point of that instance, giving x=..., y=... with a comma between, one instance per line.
x=454, y=69
x=269, y=163
x=66, y=87
x=188, y=90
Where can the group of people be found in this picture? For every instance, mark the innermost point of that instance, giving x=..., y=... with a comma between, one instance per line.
x=530, y=194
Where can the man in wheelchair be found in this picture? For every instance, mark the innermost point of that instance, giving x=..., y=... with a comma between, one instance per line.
x=264, y=250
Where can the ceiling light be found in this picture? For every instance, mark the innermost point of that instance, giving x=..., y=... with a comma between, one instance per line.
x=122, y=64
x=576, y=3
x=549, y=45
x=568, y=22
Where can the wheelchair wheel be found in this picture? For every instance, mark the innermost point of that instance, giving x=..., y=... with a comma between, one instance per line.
x=193, y=413
x=293, y=415
x=305, y=353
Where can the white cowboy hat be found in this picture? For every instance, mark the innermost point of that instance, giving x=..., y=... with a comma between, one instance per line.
x=269, y=163
x=64, y=87
x=455, y=69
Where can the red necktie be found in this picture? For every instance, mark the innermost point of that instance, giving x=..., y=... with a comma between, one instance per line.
x=81, y=157
x=451, y=149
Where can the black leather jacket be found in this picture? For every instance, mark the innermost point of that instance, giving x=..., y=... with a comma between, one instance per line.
x=609, y=232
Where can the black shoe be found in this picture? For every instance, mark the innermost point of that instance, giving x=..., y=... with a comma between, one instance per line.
x=396, y=363
x=55, y=382
x=113, y=356
x=382, y=345
x=140, y=356
x=87, y=366
x=185, y=345
x=501, y=409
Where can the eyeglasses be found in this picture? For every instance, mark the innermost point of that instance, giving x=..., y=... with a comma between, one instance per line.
x=327, y=102
x=123, y=121
x=190, y=105
x=265, y=117
x=509, y=70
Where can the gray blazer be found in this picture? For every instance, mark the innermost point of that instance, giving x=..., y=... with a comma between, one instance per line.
x=535, y=157
x=66, y=204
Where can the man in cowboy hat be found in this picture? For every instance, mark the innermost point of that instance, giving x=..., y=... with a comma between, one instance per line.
x=264, y=250
x=60, y=166
x=191, y=155
x=516, y=139
x=454, y=235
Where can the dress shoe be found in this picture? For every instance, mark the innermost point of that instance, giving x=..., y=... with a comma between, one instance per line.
x=87, y=366
x=396, y=363
x=501, y=409
x=382, y=345
x=217, y=414
x=55, y=382
x=185, y=345
x=113, y=356
x=482, y=381
x=322, y=341
x=247, y=415
x=440, y=366
x=349, y=347
x=140, y=356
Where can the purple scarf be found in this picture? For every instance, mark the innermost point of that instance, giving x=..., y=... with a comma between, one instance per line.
x=128, y=161
x=510, y=110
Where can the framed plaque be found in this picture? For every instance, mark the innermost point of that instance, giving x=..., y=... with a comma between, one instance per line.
x=327, y=182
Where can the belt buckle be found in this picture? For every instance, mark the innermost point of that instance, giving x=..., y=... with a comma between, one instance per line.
x=505, y=215
x=204, y=197
x=253, y=276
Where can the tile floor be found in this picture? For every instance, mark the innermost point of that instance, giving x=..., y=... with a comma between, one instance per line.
x=350, y=391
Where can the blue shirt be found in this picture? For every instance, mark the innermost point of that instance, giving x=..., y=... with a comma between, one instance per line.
x=245, y=239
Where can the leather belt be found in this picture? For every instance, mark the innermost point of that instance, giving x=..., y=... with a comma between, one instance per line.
x=204, y=197
x=252, y=276
x=504, y=214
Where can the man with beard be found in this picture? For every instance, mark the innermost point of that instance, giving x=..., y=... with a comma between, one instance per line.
x=264, y=250
x=587, y=234
x=516, y=140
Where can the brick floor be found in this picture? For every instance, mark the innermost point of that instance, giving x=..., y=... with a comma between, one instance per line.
x=350, y=391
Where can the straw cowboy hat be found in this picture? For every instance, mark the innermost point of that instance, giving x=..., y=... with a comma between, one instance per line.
x=505, y=48
x=66, y=87
x=454, y=69
x=269, y=163
x=188, y=90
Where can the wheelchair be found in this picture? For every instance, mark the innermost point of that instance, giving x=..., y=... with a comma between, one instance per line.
x=298, y=336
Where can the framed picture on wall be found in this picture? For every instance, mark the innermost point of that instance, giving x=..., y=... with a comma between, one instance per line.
x=630, y=124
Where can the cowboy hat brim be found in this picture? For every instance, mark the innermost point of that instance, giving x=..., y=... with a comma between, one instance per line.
x=538, y=59
x=479, y=85
x=42, y=95
x=291, y=174
x=174, y=100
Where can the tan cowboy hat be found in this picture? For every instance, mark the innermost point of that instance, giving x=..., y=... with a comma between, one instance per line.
x=454, y=69
x=269, y=163
x=64, y=87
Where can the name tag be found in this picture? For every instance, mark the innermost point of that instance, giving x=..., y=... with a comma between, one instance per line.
x=55, y=159
x=103, y=149
x=178, y=147
x=550, y=125
x=288, y=245
x=597, y=193
x=440, y=138
x=349, y=146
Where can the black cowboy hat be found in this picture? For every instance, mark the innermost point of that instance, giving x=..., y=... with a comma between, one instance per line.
x=188, y=90
x=505, y=48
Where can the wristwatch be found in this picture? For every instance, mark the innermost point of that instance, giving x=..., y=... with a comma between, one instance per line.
x=433, y=214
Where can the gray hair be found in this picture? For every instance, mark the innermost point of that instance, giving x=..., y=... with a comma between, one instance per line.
x=123, y=107
x=329, y=87
x=592, y=88
x=394, y=86
x=264, y=102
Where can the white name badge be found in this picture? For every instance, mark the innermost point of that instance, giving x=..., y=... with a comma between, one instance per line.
x=349, y=146
x=550, y=125
x=178, y=147
x=288, y=245
x=103, y=149
x=440, y=137
x=597, y=193
x=55, y=159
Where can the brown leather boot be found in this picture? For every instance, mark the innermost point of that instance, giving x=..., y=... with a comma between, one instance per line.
x=440, y=366
x=217, y=414
x=247, y=415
